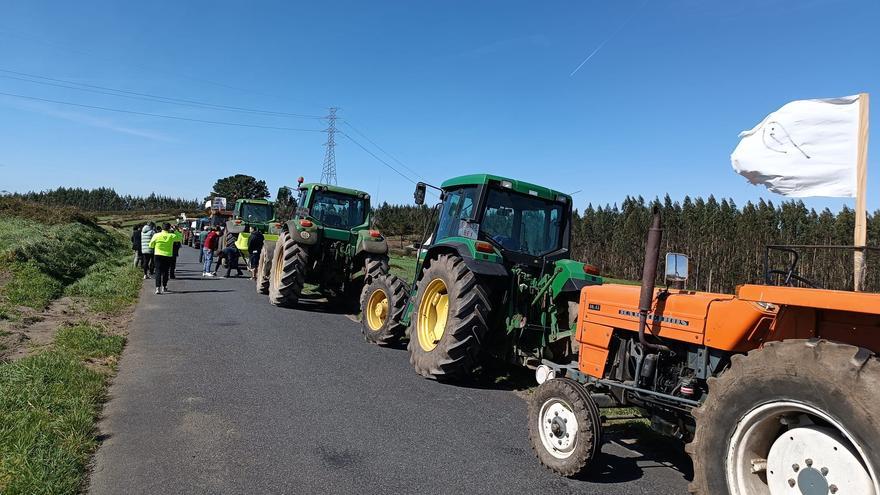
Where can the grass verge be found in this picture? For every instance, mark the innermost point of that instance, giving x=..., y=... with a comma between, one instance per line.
x=109, y=286
x=50, y=400
x=48, y=406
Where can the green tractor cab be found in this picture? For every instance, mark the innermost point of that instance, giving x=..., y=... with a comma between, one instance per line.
x=494, y=275
x=248, y=216
x=328, y=243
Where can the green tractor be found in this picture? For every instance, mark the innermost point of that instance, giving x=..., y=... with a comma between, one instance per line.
x=494, y=276
x=328, y=243
x=247, y=216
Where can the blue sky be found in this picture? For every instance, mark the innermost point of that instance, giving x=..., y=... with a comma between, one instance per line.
x=446, y=87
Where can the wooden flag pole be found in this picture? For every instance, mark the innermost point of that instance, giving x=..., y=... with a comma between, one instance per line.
x=861, y=212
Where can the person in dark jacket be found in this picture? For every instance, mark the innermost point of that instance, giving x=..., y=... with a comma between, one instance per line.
x=136, y=245
x=231, y=255
x=178, y=241
x=255, y=247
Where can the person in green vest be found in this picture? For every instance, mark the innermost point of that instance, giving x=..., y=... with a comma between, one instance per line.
x=162, y=245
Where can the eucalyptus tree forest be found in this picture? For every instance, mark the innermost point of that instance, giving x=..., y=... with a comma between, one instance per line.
x=105, y=199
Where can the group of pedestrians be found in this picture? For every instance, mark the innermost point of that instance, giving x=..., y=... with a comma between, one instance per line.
x=230, y=254
x=156, y=249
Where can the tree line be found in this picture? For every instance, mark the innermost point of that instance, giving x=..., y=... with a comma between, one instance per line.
x=725, y=243
x=105, y=199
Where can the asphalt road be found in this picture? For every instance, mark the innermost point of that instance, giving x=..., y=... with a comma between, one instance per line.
x=220, y=392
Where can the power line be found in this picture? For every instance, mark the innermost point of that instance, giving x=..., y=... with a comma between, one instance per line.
x=346, y=122
x=203, y=121
x=359, y=145
x=146, y=96
x=68, y=48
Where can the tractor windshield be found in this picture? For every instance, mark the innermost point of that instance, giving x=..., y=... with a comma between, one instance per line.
x=523, y=223
x=256, y=213
x=336, y=210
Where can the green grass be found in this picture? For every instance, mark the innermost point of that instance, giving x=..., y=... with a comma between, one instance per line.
x=30, y=287
x=109, y=286
x=403, y=266
x=48, y=406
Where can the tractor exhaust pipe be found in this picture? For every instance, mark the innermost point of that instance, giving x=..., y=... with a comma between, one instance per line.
x=649, y=273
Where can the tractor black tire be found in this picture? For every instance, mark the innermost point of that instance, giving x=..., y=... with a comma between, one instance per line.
x=288, y=273
x=388, y=329
x=588, y=436
x=375, y=265
x=264, y=270
x=840, y=380
x=455, y=353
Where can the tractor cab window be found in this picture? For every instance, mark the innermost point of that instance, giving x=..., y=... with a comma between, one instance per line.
x=336, y=210
x=522, y=223
x=257, y=213
x=457, y=208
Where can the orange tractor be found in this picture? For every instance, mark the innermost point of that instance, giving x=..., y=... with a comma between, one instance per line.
x=776, y=388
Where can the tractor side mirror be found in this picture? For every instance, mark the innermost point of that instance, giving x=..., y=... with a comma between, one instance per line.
x=419, y=195
x=676, y=268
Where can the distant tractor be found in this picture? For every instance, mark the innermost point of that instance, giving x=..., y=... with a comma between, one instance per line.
x=775, y=388
x=248, y=216
x=328, y=243
x=494, y=277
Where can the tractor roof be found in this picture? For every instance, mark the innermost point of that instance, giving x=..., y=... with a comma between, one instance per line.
x=517, y=185
x=254, y=201
x=333, y=188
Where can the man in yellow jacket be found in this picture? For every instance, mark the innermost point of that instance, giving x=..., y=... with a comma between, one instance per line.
x=162, y=245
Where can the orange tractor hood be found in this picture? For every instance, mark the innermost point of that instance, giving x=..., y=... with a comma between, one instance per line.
x=715, y=320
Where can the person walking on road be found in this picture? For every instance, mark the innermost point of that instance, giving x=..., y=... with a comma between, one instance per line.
x=146, y=251
x=178, y=241
x=136, y=245
x=208, y=248
x=163, y=246
x=255, y=247
x=201, y=244
x=230, y=254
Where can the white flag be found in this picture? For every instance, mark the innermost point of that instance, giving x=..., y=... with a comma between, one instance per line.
x=806, y=148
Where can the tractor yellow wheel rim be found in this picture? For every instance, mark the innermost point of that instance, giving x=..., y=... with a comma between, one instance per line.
x=433, y=310
x=377, y=310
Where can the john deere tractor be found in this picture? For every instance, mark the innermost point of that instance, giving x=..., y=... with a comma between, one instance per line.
x=328, y=243
x=248, y=216
x=494, y=277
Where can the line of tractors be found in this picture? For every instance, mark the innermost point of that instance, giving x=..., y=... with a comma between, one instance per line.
x=773, y=389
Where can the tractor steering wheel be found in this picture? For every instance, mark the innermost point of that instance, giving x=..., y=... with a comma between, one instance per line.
x=792, y=280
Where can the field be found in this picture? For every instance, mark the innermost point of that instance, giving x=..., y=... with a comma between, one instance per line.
x=66, y=288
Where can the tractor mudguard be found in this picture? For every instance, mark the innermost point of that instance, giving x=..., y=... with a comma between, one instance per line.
x=234, y=228
x=570, y=277
x=307, y=236
x=480, y=267
x=369, y=244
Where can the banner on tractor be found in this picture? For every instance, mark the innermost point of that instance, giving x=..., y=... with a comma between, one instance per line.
x=806, y=148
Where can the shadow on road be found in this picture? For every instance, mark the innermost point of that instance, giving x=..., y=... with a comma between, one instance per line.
x=644, y=449
x=172, y=291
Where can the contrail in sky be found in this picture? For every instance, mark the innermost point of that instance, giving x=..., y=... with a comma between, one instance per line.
x=606, y=40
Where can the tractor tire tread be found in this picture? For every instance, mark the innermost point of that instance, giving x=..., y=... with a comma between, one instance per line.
x=398, y=293
x=467, y=322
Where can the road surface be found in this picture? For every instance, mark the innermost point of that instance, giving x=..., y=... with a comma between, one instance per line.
x=220, y=392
